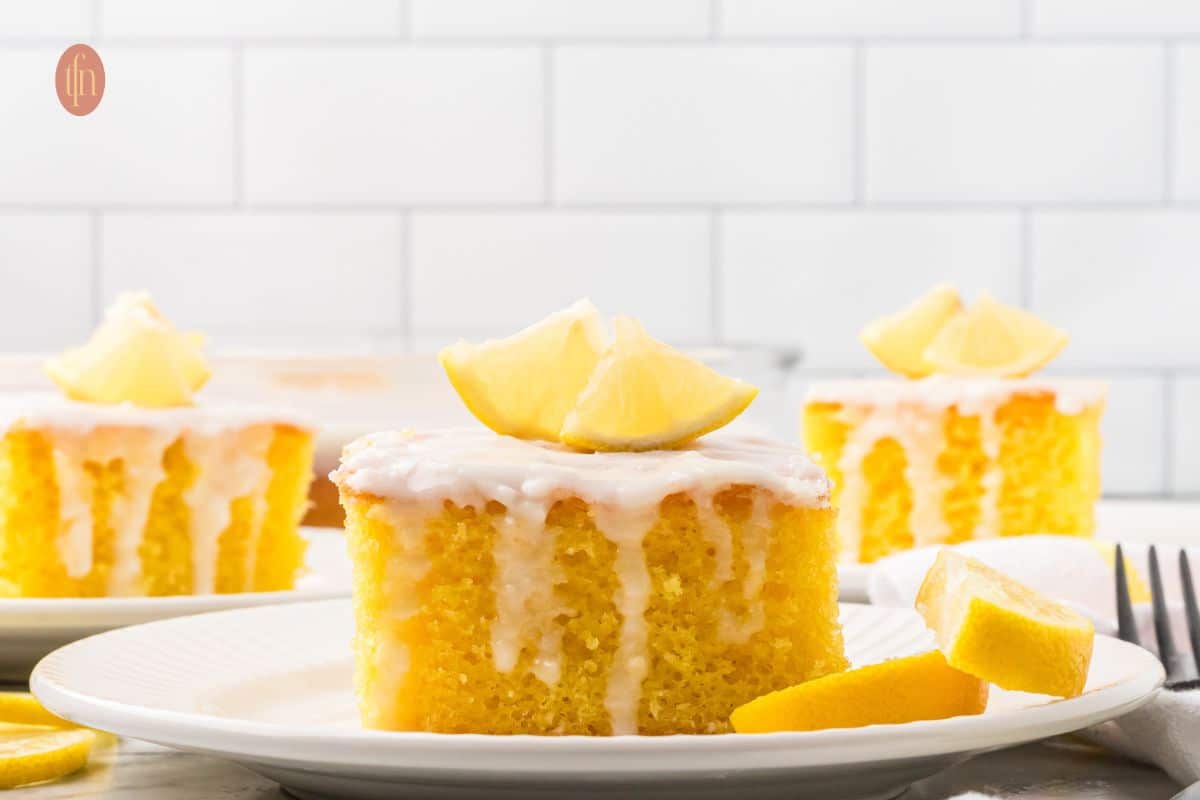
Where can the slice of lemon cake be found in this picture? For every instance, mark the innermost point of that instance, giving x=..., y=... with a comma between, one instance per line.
x=505, y=585
x=973, y=450
x=130, y=489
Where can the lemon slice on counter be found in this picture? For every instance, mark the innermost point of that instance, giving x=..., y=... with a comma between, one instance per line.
x=991, y=338
x=33, y=755
x=899, y=340
x=526, y=384
x=997, y=629
x=22, y=708
x=136, y=356
x=907, y=689
x=645, y=395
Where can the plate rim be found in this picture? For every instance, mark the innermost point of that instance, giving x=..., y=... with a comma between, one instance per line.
x=290, y=745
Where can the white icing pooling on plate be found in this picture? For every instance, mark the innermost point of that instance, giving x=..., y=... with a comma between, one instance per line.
x=910, y=412
x=623, y=491
x=84, y=433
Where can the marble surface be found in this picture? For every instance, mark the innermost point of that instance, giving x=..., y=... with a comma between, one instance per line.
x=1058, y=768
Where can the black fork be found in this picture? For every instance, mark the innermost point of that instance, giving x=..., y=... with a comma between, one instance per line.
x=1181, y=668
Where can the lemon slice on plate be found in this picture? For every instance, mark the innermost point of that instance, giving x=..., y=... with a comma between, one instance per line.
x=907, y=689
x=645, y=395
x=997, y=629
x=33, y=755
x=991, y=338
x=136, y=356
x=899, y=340
x=524, y=385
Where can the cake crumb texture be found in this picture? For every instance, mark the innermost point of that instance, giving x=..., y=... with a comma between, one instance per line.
x=718, y=632
x=260, y=548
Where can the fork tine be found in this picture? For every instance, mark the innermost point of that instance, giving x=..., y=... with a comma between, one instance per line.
x=1167, y=653
x=1126, y=627
x=1189, y=605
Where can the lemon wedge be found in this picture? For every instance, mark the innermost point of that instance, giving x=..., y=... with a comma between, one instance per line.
x=899, y=340
x=907, y=689
x=526, y=384
x=645, y=395
x=991, y=338
x=997, y=629
x=33, y=755
x=135, y=356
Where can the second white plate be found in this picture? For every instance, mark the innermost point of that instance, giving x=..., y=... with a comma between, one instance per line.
x=31, y=627
x=271, y=688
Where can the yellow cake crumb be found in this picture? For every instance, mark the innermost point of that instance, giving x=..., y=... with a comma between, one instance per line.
x=1021, y=466
x=423, y=647
x=31, y=562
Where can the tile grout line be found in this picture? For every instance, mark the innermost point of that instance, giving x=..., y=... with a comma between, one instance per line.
x=859, y=124
x=1026, y=12
x=715, y=282
x=1026, y=266
x=1170, y=53
x=715, y=12
x=96, y=12
x=96, y=267
x=239, y=134
x=1168, y=433
x=405, y=267
x=404, y=19
x=548, y=125
x=629, y=41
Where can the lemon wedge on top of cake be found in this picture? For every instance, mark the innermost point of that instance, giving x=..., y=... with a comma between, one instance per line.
x=525, y=385
x=991, y=338
x=136, y=356
x=899, y=340
x=1000, y=630
x=645, y=395
x=559, y=381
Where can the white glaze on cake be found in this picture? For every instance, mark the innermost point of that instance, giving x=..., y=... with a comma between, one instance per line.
x=471, y=467
x=911, y=413
x=226, y=444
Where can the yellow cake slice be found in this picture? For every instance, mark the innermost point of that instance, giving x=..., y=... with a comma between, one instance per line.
x=127, y=486
x=974, y=448
x=944, y=460
x=507, y=586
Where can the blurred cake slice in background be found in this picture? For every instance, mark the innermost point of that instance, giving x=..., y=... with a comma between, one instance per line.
x=127, y=486
x=969, y=446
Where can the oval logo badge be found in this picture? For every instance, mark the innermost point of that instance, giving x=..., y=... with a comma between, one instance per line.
x=79, y=79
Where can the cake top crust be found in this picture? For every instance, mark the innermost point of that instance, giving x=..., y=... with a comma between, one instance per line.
x=968, y=394
x=469, y=466
x=49, y=410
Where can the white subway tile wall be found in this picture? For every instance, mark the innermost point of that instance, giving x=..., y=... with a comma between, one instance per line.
x=770, y=173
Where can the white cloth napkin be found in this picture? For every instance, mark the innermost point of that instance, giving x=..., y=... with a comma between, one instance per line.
x=1166, y=730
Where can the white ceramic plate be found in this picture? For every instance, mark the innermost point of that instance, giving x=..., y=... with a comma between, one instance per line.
x=32, y=627
x=1152, y=521
x=271, y=688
